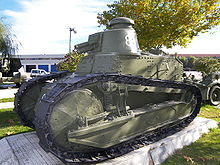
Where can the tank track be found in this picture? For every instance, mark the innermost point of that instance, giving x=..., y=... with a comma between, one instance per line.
x=46, y=137
x=28, y=85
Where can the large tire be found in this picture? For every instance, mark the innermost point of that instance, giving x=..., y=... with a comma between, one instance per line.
x=214, y=95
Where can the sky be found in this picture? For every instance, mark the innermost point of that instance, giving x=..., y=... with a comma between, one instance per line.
x=42, y=26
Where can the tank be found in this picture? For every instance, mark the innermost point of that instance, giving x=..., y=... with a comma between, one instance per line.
x=119, y=99
x=209, y=85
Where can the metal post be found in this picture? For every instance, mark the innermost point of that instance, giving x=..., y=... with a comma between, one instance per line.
x=70, y=39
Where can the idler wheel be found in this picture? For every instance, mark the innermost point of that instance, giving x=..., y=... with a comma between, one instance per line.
x=70, y=113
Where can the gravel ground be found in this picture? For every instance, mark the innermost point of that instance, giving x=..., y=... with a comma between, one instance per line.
x=8, y=93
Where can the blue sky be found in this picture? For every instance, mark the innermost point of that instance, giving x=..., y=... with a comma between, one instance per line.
x=42, y=25
x=9, y=4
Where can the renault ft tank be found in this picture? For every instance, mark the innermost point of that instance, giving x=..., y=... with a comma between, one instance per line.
x=119, y=99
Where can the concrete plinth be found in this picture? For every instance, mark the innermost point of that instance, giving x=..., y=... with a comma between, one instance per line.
x=24, y=148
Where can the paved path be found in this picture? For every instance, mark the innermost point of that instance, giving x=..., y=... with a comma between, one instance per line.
x=7, y=105
x=7, y=93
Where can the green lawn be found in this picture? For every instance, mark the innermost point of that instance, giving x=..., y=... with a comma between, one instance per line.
x=210, y=112
x=205, y=151
x=7, y=100
x=9, y=123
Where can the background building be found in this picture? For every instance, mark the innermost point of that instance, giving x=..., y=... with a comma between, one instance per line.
x=47, y=61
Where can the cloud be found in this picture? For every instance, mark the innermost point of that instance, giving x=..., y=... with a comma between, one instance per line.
x=205, y=43
x=42, y=25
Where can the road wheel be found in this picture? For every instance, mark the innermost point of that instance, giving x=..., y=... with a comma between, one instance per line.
x=214, y=95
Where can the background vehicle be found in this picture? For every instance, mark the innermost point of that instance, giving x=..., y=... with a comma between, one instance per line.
x=37, y=72
x=208, y=84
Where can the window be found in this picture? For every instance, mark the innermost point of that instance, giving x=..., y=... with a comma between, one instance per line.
x=53, y=68
x=44, y=67
x=29, y=67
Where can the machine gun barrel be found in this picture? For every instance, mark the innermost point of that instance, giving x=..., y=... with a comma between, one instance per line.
x=85, y=47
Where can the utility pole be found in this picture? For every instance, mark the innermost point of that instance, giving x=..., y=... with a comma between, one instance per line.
x=70, y=39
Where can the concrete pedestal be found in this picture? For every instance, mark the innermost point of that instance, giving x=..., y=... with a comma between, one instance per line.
x=23, y=149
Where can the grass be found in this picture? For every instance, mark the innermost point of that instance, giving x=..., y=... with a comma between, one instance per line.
x=205, y=151
x=210, y=112
x=4, y=100
x=10, y=124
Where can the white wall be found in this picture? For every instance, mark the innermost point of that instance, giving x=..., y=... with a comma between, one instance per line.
x=37, y=60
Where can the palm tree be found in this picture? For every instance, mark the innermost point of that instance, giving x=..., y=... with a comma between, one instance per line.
x=8, y=45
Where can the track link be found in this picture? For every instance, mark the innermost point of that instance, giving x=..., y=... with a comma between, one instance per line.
x=48, y=101
x=27, y=86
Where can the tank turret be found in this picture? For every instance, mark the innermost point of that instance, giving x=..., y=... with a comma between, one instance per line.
x=117, y=51
x=120, y=39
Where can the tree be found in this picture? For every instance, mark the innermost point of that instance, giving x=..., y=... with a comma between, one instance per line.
x=8, y=44
x=165, y=23
x=183, y=60
x=188, y=62
x=191, y=62
x=70, y=62
x=207, y=65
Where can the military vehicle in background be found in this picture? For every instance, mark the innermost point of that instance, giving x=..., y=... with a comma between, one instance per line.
x=11, y=71
x=119, y=99
x=209, y=84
